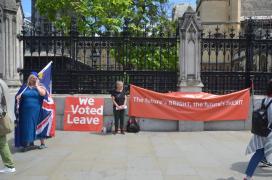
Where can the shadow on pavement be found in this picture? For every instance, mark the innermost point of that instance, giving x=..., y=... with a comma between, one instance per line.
x=260, y=172
x=230, y=178
x=100, y=134
x=12, y=147
x=14, y=150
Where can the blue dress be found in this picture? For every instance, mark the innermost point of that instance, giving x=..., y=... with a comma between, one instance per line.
x=29, y=111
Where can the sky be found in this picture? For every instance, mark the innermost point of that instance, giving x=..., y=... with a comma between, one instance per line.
x=27, y=5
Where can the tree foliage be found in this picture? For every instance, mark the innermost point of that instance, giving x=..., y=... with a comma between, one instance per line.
x=91, y=15
x=108, y=15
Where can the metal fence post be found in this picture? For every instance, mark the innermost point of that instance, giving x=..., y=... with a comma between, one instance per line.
x=73, y=68
x=249, y=51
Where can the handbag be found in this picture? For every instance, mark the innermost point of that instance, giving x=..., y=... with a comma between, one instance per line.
x=6, y=125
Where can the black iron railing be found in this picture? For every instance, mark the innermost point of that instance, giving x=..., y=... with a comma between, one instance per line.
x=91, y=64
x=230, y=61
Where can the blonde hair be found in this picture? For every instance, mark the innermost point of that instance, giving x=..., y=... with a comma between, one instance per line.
x=119, y=83
x=28, y=79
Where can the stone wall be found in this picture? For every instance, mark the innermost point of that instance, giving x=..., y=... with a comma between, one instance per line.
x=160, y=125
x=256, y=8
x=222, y=13
x=213, y=11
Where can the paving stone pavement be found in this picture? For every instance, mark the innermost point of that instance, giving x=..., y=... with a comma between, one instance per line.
x=214, y=155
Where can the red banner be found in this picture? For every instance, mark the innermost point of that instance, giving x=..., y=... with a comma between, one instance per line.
x=83, y=114
x=189, y=106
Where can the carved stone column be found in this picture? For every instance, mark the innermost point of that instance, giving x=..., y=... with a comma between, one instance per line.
x=189, y=57
x=11, y=19
x=1, y=42
x=190, y=30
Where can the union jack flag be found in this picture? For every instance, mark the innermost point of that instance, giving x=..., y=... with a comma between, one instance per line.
x=46, y=123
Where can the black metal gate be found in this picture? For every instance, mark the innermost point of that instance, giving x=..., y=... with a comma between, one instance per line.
x=229, y=61
x=91, y=64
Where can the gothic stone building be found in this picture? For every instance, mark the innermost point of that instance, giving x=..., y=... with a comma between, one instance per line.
x=230, y=15
x=11, y=49
x=227, y=14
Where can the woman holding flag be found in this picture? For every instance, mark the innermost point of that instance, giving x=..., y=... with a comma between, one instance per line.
x=30, y=101
x=35, y=110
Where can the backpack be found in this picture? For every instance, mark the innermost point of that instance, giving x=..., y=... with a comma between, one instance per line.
x=133, y=126
x=260, y=120
x=6, y=125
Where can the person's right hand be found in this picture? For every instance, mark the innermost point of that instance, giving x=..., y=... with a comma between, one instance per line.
x=124, y=106
x=18, y=97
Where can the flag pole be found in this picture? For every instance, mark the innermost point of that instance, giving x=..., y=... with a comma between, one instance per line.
x=38, y=73
x=46, y=67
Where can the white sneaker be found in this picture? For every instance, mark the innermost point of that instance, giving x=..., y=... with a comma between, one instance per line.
x=8, y=170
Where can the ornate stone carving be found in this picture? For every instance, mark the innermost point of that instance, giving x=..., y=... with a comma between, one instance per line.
x=10, y=47
x=191, y=33
x=5, y=16
x=189, y=59
x=10, y=5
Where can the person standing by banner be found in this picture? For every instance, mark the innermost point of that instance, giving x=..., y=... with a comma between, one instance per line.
x=119, y=100
x=5, y=110
x=30, y=102
x=258, y=144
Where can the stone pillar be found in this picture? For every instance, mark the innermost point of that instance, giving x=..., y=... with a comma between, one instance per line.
x=189, y=55
x=1, y=44
x=19, y=53
x=190, y=30
x=235, y=14
x=11, y=21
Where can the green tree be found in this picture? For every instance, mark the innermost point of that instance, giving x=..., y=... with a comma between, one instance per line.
x=91, y=15
x=150, y=16
x=108, y=15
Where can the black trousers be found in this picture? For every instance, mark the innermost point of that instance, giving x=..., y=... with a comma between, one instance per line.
x=119, y=116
